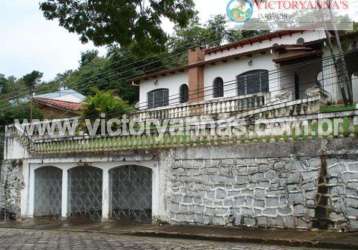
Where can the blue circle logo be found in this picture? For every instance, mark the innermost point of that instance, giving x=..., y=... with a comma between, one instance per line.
x=240, y=11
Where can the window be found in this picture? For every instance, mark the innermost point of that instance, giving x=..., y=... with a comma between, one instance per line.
x=218, y=87
x=158, y=98
x=184, y=93
x=253, y=82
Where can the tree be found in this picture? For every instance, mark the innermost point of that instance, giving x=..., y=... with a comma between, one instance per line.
x=8, y=113
x=88, y=56
x=127, y=23
x=104, y=102
x=214, y=33
x=30, y=80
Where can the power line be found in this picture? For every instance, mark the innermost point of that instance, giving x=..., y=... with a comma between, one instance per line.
x=233, y=82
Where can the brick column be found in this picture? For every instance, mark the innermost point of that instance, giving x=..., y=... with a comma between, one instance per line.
x=196, y=75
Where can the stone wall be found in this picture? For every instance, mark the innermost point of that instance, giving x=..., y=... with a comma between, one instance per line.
x=342, y=183
x=284, y=185
x=11, y=183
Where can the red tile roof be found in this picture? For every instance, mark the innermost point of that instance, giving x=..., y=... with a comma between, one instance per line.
x=57, y=104
x=250, y=41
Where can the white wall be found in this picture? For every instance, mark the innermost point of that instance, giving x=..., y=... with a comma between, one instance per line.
x=171, y=82
x=14, y=150
x=228, y=71
x=289, y=39
x=355, y=88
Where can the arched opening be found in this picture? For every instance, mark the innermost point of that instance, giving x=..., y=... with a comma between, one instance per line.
x=85, y=193
x=253, y=82
x=48, y=192
x=158, y=98
x=218, y=87
x=131, y=194
x=184, y=93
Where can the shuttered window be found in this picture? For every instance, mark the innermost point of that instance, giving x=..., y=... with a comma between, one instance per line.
x=218, y=87
x=253, y=82
x=158, y=98
x=184, y=93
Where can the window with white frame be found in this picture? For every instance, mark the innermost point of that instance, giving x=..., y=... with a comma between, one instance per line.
x=158, y=98
x=253, y=82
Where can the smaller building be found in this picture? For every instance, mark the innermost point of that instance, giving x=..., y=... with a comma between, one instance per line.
x=64, y=103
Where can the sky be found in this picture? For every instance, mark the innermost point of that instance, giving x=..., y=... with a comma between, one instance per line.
x=30, y=42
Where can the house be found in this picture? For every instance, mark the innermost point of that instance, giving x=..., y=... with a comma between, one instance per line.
x=60, y=104
x=285, y=164
x=285, y=65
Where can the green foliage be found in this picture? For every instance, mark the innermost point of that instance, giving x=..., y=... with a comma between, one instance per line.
x=114, y=70
x=214, y=33
x=128, y=23
x=22, y=111
x=105, y=73
x=88, y=56
x=30, y=80
x=104, y=102
x=7, y=84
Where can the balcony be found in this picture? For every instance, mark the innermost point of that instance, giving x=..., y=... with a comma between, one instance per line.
x=212, y=107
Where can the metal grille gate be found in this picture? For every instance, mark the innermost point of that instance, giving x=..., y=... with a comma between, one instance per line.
x=48, y=192
x=85, y=193
x=131, y=194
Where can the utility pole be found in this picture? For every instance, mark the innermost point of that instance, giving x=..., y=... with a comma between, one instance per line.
x=31, y=100
x=343, y=78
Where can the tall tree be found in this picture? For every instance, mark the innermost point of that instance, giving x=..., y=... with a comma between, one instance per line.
x=135, y=23
x=30, y=81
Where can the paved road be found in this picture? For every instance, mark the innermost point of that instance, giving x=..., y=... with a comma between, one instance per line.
x=12, y=239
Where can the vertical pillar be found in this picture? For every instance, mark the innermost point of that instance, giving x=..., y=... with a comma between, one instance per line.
x=64, y=201
x=355, y=88
x=196, y=75
x=25, y=190
x=31, y=193
x=155, y=193
x=105, y=195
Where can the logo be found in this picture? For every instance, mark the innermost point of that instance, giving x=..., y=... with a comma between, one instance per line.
x=240, y=11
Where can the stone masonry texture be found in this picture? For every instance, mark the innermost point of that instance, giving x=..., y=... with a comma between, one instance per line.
x=302, y=184
x=244, y=186
x=11, y=183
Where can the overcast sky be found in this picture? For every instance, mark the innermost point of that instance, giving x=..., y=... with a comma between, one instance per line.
x=30, y=42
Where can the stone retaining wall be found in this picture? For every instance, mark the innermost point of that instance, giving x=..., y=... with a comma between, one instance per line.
x=11, y=183
x=272, y=185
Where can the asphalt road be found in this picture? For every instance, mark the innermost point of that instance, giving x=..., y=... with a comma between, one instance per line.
x=14, y=239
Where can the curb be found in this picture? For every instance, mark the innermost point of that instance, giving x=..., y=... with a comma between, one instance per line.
x=281, y=242
x=324, y=243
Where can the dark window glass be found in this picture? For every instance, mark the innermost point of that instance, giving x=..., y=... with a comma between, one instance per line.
x=241, y=81
x=184, y=93
x=158, y=98
x=264, y=81
x=253, y=82
x=218, y=87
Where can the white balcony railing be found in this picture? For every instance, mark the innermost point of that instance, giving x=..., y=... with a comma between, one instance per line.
x=215, y=106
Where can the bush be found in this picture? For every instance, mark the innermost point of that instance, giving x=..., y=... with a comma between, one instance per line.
x=104, y=102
